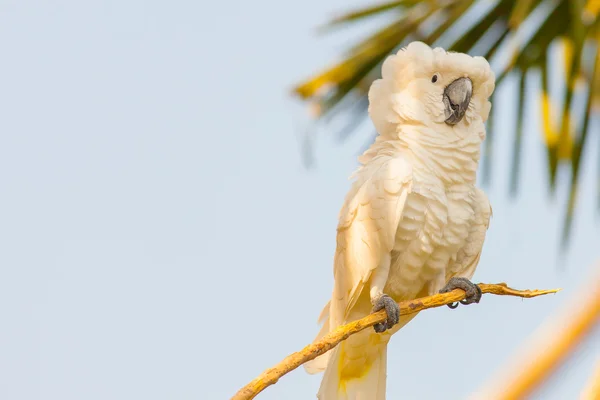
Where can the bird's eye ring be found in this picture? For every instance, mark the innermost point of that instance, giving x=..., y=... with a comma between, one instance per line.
x=434, y=78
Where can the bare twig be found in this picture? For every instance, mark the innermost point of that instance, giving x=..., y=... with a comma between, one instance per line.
x=329, y=341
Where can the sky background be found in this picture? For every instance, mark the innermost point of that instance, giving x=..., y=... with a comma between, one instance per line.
x=160, y=237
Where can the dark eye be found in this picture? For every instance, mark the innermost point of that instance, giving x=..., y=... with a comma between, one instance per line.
x=434, y=78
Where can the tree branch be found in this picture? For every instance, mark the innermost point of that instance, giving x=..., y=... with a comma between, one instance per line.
x=329, y=341
x=592, y=391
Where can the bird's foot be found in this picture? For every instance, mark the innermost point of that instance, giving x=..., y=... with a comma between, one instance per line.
x=392, y=310
x=472, y=290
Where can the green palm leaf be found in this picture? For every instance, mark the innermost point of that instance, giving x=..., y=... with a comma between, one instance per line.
x=342, y=88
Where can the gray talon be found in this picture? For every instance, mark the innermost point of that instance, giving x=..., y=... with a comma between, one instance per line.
x=392, y=310
x=472, y=290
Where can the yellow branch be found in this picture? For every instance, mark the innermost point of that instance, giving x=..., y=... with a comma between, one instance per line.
x=592, y=391
x=328, y=342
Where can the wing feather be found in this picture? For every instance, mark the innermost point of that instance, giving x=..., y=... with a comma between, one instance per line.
x=367, y=228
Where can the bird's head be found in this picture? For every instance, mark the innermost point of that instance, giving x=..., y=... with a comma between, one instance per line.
x=432, y=87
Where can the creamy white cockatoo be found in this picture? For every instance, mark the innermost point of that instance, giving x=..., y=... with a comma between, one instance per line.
x=413, y=223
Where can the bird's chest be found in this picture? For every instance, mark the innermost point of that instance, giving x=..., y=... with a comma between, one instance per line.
x=433, y=228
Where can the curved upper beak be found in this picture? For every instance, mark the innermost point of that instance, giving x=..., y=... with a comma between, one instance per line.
x=457, y=96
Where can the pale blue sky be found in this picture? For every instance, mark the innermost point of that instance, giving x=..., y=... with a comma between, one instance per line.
x=161, y=239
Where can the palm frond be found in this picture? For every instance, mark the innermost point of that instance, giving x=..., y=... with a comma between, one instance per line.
x=518, y=142
x=578, y=149
x=488, y=145
x=528, y=30
x=363, y=13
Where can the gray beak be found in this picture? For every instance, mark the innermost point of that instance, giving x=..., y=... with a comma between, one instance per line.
x=457, y=96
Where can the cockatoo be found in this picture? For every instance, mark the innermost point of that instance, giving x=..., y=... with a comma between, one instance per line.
x=413, y=223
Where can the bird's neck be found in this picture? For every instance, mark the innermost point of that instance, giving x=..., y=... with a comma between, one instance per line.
x=451, y=157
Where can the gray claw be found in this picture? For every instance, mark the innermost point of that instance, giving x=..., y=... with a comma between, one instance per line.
x=392, y=310
x=472, y=290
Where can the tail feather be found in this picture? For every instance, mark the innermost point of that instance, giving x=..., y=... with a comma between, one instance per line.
x=356, y=369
